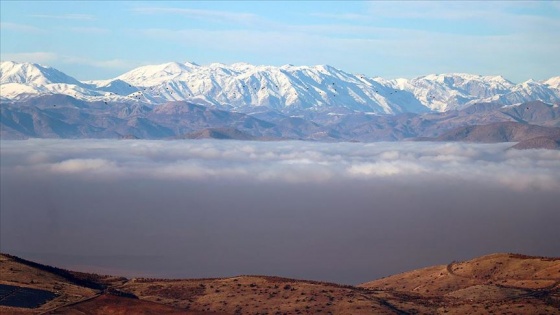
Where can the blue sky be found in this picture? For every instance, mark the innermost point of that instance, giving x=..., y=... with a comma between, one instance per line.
x=102, y=39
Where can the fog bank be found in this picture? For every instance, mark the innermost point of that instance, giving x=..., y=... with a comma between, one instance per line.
x=342, y=212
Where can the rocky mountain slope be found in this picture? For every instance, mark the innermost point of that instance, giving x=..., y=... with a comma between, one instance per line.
x=543, y=142
x=61, y=116
x=500, y=132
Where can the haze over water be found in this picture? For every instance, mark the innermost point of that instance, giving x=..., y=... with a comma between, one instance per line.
x=341, y=212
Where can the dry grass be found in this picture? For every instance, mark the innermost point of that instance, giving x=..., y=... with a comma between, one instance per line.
x=18, y=274
x=494, y=284
x=497, y=284
x=258, y=294
x=107, y=304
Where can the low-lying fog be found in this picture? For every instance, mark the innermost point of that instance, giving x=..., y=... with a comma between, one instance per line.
x=341, y=212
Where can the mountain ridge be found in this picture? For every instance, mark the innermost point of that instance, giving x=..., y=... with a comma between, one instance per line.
x=63, y=116
x=287, y=88
x=317, y=103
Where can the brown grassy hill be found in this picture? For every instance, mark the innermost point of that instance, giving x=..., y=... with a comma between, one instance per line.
x=499, y=281
x=498, y=284
x=75, y=292
x=17, y=273
x=261, y=295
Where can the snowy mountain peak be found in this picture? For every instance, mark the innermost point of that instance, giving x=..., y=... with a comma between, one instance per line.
x=553, y=82
x=218, y=65
x=530, y=82
x=191, y=64
x=157, y=74
x=500, y=78
x=32, y=74
x=458, y=78
x=326, y=68
x=241, y=66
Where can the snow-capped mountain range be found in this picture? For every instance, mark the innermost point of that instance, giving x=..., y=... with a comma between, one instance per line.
x=287, y=89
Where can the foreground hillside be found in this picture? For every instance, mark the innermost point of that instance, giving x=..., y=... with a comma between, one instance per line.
x=496, y=284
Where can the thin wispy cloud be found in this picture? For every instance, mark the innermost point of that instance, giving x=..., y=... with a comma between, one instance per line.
x=51, y=57
x=510, y=16
x=72, y=16
x=90, y=30
x=9, y=26
x=35, y=57
x=121, y=64
x=343, y=16
x=456, y=10
x=213, y=15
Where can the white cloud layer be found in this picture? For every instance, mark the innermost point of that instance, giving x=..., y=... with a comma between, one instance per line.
x=291, y=162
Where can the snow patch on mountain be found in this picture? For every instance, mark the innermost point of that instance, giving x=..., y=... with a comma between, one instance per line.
x=553, y=82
